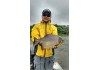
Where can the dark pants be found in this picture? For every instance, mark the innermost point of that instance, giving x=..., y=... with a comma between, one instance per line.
x=43, y=63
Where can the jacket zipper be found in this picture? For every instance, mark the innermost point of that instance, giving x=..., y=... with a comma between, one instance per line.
x=45, y=34
x=45, y=49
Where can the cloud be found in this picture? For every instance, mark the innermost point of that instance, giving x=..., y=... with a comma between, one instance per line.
x=59, y=9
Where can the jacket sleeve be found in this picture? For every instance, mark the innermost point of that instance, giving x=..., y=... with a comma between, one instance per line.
x=54, y=30
x=35, y=33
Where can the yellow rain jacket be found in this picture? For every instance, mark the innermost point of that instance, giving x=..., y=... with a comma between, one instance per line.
x=39, y=31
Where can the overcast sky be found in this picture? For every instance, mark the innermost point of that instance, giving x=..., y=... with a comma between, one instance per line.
x=59, y=9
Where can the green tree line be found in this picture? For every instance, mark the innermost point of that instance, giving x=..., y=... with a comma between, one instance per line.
x=62, y=29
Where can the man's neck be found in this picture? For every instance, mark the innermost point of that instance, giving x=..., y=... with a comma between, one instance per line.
x=46, y=22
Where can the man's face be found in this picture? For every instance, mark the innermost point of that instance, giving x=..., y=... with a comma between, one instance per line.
x=46, y=17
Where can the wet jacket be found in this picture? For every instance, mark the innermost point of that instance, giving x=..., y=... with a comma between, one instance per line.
x=39, y=31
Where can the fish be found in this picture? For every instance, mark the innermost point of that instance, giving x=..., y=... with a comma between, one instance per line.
x=48, y=41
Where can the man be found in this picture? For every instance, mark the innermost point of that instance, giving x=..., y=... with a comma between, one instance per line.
x=43, y=59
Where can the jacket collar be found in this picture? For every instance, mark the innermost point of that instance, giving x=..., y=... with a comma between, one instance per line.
x=47, y=23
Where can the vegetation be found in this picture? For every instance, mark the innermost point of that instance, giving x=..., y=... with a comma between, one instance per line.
x=62, y=29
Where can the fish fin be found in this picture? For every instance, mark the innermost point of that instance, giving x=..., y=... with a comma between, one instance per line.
x=41, y=46
x=36, y=41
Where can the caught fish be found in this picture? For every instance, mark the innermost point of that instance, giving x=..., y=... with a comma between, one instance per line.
x=49, y=41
